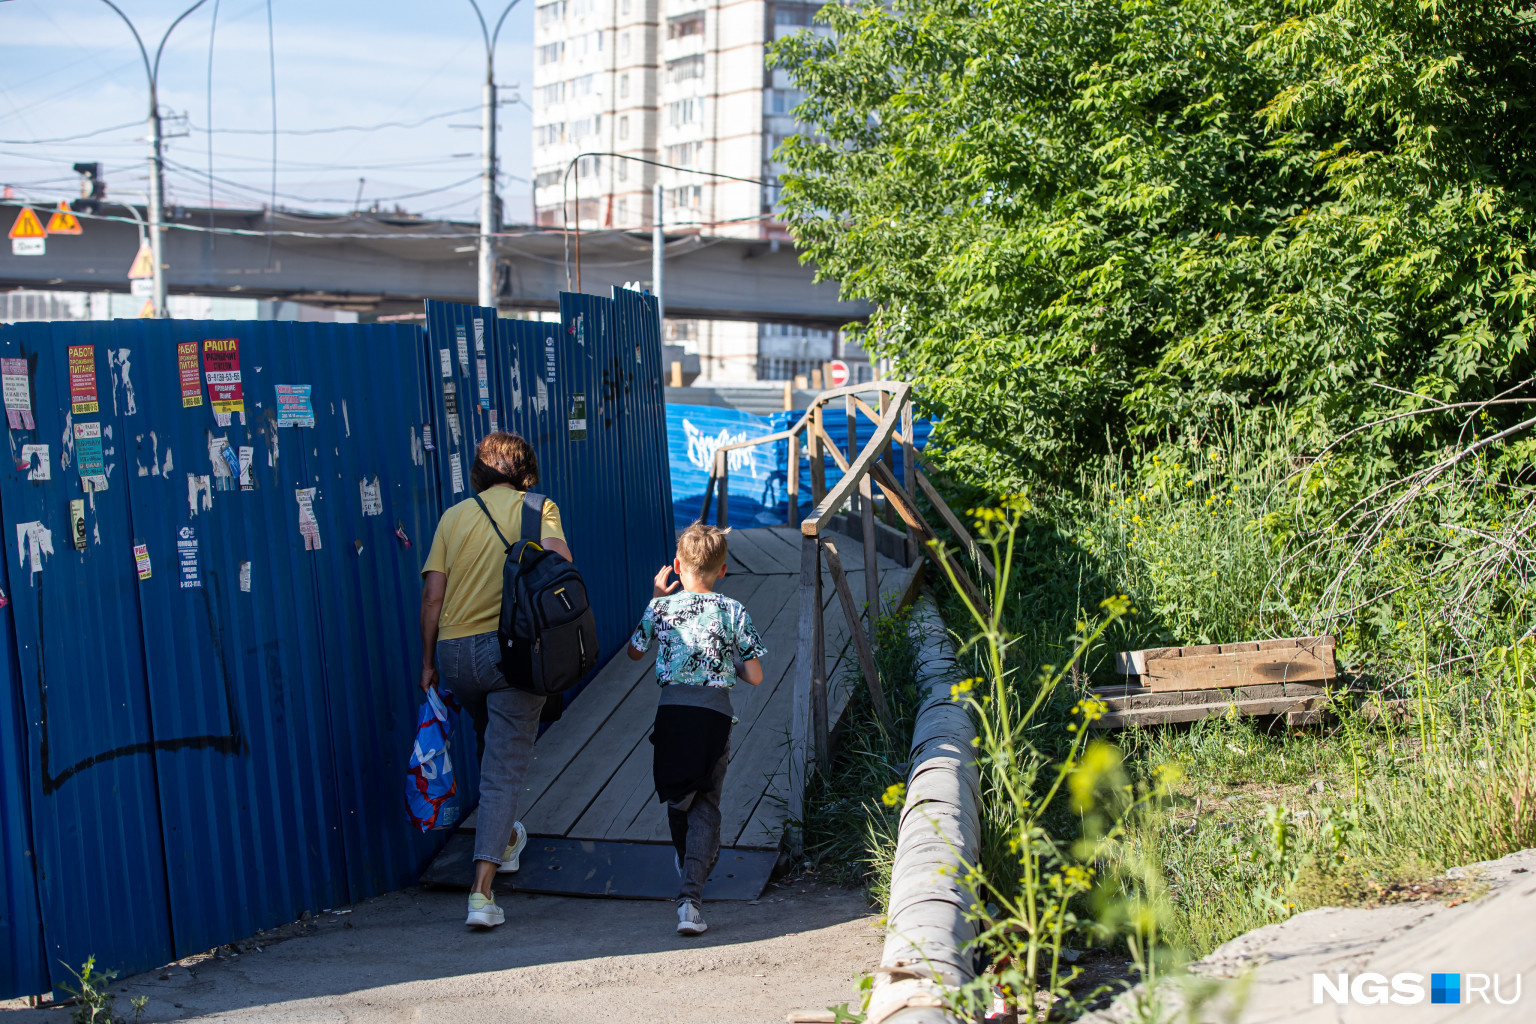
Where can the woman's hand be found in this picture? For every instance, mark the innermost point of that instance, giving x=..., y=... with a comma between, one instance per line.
x=428, y=679
x=660, y=587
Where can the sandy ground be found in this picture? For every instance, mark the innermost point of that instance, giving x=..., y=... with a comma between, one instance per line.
x=407, y=957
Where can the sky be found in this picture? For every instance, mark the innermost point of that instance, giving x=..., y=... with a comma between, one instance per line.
x=70, y=67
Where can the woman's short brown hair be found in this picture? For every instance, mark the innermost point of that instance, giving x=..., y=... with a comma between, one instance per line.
x=503, y=458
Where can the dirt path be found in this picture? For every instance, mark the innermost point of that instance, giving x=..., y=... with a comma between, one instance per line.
x=407, y=957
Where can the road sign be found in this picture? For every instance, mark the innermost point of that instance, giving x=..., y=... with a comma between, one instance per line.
x=839, y=372
x=27, y=235
x=64, y=222
x=148, y=312
x=141, y=287
x=27, y=225
x=143, y=263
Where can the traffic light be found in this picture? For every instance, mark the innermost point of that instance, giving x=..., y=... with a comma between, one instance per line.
x=92, y=189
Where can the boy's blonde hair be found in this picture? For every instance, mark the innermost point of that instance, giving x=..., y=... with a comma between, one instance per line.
x=701, y=549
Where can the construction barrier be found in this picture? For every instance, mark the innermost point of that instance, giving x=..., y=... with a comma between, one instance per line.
x=216, y=532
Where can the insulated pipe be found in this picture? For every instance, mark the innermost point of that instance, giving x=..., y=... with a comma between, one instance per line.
x=927, y=933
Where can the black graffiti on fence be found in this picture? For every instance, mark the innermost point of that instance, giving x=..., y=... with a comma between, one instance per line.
x=231, y=741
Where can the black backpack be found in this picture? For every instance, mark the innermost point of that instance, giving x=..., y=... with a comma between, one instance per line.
x=547, y=632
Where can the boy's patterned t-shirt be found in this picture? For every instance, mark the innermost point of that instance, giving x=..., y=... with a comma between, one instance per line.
x=698, y=637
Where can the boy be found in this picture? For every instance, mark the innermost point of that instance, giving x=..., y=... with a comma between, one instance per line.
x=702, y=638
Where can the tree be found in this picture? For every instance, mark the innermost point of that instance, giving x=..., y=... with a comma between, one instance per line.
x=1083, y=221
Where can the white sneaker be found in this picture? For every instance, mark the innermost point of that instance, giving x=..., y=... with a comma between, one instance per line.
x=483, y=912
x=689, y=920
x=512, y=859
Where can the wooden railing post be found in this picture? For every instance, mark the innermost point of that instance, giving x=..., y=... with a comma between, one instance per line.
x=802, y=718
x=822, y=731
x=818, y=460
x=853, y=437
x=908, y=473
x=871, y=558
x=890, y=449
x=722, y=474
x=793, y=483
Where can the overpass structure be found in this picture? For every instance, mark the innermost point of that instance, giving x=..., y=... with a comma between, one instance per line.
x=380, y=264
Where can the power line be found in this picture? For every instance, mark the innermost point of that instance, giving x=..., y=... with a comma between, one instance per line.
x=314, y=199
x=337, y=128
x=71, y=138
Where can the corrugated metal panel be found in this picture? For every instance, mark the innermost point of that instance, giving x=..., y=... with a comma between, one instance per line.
x=22, y=967
x=649, y=530
x=248, y=793
x=95, y=804
x=228, y=735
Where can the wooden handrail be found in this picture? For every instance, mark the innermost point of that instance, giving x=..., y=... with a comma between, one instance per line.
x=873, y=448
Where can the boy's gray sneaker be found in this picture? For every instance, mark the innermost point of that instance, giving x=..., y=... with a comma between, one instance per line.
x=689, y=920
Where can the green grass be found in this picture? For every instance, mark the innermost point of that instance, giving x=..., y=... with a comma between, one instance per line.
x=1187, y=837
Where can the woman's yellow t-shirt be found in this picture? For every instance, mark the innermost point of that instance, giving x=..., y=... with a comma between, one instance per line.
x=467, y=550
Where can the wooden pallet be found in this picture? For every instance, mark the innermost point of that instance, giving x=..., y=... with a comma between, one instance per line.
x=1141, y=705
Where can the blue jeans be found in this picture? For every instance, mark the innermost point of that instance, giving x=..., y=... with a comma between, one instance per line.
x=506, y=724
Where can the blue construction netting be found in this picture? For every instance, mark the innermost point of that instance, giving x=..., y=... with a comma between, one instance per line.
x=212, y=658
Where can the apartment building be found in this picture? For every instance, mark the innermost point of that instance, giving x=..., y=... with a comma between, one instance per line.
x=682, y=84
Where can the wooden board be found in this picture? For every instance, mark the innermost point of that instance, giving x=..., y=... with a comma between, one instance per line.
x=1210, y=666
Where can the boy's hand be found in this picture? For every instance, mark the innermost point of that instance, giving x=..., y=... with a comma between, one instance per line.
x=659, y=585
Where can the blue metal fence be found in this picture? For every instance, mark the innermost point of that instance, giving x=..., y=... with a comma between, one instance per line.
x=211, y=698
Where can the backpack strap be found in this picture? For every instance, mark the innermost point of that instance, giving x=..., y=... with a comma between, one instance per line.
x=533, y=517
x=492, y=518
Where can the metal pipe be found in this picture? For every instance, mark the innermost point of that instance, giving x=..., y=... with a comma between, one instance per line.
x=658, y=252
x=156, y=163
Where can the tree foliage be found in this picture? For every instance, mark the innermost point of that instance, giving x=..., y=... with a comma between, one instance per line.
x=1081, y=220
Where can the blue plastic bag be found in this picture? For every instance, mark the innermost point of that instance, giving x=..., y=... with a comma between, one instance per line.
x=430, y=781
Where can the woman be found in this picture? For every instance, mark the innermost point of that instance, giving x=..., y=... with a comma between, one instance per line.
x=460, y=610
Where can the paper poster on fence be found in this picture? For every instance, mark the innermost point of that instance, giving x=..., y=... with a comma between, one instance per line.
x=309, y=526
x=191, y=385
x=82, y=379
x=18, y=394
x=186, y=557
x=221, y=367
x=373, y=502
x=484, y=378
x=479, y=336
x=88, y=454
x=243, y=460
x=141, y=560
x=33, y=541
x=293, y=406
x=34, y=459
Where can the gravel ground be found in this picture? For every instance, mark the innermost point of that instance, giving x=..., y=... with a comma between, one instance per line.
x=407, y=957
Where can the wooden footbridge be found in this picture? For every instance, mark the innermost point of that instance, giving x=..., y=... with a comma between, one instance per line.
x=814, y=589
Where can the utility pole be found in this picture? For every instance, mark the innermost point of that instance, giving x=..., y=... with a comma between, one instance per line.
x=156, y=163
x=488, y=102
x=658, y=252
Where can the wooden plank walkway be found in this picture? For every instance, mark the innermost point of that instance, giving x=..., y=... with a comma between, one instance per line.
x=590, y=777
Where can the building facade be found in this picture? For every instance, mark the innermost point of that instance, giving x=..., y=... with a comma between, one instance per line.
x=629, y=94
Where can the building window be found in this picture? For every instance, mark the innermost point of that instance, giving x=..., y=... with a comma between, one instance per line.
x=796, y=16
x=681, y=330
x=551, y=94
x=624, y=84
x=623, y=210
x=783, y=101
x=551, y=53
x=685, y=154
x=549, y=134
x=624, y=45
x=548, y=179
x=684, y=25
x=583, y=127
x=551, y=14
x=688, y=111
x=685, y=197
x=624, y=127
x=685, y=68
x=624, y=7
x=589, y=166
x=623, y=170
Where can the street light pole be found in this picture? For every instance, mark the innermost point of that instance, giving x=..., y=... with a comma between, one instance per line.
x=156, y=164
x=488, y=101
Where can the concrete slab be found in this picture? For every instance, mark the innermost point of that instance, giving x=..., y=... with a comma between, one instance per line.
x=407, y=957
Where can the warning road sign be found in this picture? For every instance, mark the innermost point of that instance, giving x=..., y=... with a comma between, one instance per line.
x=148, y=310
x=27, y=225
x=64, y=221
x=143, y=263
